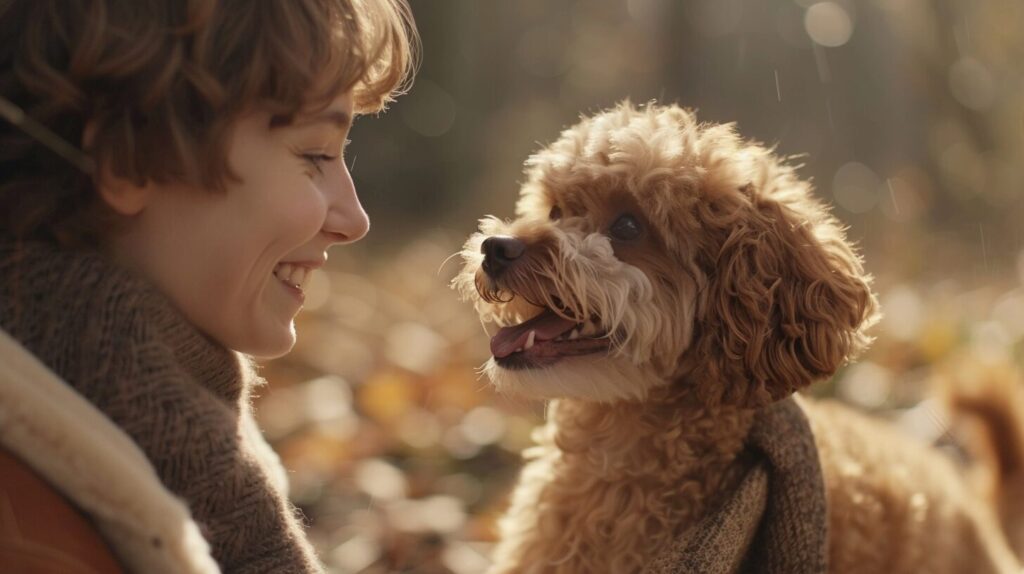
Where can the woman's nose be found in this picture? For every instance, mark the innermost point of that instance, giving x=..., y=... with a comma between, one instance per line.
x=346, y=220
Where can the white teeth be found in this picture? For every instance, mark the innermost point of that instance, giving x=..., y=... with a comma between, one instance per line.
x=283, y=271
x=294, y=275
x=589, y=329
x=529, y=340
x=574, y=335
x=519, y=350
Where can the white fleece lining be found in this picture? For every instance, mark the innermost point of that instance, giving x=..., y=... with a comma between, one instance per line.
x=94, y=463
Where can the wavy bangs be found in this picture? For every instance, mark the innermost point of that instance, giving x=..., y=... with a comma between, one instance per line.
x=159, y=83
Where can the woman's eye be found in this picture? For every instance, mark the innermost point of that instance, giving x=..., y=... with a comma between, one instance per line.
x=625, y=228
x=555, y=214
x=318, y=160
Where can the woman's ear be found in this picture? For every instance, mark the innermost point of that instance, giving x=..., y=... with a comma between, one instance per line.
x=787, y=301
x=122, y=195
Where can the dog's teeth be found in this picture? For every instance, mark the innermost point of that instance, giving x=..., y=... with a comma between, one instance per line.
x=529, y=339
x=519, y=350
x=574, y=335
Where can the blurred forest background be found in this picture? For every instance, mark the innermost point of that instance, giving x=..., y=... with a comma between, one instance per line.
x=910, y=118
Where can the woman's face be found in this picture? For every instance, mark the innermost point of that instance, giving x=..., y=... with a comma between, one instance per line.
x=235, y=263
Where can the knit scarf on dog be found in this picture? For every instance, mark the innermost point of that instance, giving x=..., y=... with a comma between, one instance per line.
x=775, y=521
x=181, y=397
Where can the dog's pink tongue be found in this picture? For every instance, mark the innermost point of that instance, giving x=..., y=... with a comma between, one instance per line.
x=548, y=325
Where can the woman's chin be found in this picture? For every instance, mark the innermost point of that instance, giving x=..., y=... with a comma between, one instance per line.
x=269, y=342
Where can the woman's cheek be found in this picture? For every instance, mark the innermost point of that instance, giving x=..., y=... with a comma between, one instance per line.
x=306, y=213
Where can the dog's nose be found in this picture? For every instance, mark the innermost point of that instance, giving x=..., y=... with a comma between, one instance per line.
x=499, y=252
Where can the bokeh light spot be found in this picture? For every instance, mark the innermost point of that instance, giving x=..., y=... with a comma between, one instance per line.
x=904, y=313
x=828, y=24
x=483, y=425
x=855, y=187
x=380, y=480
x=971, y=84
x=866, y=384
x=415, y=346
x=357, y=553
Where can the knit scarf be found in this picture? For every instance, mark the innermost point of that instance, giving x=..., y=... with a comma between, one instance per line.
x=776, y=520
x=179, y=395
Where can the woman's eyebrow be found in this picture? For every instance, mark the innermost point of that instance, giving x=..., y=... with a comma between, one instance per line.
x=339, y=119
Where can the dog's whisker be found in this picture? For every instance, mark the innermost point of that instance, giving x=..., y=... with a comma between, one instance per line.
x=447, y=259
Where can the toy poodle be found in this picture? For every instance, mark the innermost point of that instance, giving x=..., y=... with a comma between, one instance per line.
x=668, y=286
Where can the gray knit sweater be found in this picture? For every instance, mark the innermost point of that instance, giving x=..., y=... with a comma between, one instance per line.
x=180, y=396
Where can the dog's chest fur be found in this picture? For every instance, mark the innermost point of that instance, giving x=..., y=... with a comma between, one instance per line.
x=609, y=486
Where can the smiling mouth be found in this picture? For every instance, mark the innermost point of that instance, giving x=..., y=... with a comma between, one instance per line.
x=545, y=340
x=294, y=276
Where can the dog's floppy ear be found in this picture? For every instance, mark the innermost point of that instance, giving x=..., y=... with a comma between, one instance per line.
x=786, y=301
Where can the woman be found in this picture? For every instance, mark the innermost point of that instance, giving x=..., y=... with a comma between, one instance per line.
x=178, y=174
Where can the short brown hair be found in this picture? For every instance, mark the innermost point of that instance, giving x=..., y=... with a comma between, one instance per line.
x=160, y=82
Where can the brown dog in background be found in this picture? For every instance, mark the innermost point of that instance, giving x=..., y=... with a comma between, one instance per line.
x=663, y=281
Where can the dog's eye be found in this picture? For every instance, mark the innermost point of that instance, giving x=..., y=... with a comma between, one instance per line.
x=556, y=213
x=625, y=228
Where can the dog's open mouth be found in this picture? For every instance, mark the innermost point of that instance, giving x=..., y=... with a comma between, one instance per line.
x=546, y=339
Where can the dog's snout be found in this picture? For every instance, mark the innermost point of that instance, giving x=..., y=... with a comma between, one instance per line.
x=499, y=252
